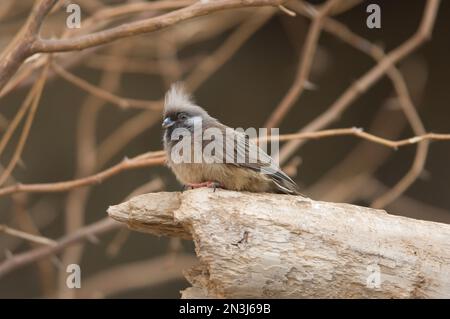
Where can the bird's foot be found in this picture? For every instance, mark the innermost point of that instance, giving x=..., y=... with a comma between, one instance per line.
x=214, y=185
x=209, y=184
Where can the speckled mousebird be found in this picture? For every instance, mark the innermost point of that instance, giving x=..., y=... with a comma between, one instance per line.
x=180, y=112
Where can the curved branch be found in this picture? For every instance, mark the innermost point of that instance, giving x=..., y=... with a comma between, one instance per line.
x=20, y=260
x=20, y=47
x=148, y=25
x=361, y=85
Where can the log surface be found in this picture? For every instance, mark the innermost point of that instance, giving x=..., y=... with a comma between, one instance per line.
x=281, y=246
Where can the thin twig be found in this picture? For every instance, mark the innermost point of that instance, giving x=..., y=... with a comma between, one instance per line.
x=336, y=28
x=158, y=159
x=76, y=203
x=17, y=119
x=20, y=260
x=27, y=236
x=122, y=135
x=287, y=11
x=126, y=164
x=37, y=92
x=368, y=79
x=105, y=95
x=304, y=68
x=364, y=135
x=229, y=47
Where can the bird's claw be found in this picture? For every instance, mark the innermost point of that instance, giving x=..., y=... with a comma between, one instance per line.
x=214, y=185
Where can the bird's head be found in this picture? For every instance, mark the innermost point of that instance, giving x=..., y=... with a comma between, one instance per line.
x=180, y=110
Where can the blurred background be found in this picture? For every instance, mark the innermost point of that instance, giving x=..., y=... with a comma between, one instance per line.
x=239, y=64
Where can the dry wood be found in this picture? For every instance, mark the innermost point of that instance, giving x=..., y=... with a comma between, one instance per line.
x=281, y=246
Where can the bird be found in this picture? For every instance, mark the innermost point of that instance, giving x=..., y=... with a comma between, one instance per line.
x=257, y=173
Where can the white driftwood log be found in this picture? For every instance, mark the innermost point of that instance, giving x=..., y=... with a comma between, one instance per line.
x=281, y=246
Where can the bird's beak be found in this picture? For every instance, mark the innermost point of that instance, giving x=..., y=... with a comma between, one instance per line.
x=168, y=122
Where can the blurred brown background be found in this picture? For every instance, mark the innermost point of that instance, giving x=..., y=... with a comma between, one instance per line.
x=241, y=93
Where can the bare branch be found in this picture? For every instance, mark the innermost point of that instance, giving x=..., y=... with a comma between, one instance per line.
x=27, y=236
x=21, y=47
x=157, y=158
x=105, y=95
x=368, y=79
x=148, y=25
x=36, y=93
x=126, y=164
x=28, y=257
x=303, y=71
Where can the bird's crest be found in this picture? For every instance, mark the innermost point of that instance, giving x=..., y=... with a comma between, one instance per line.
x=177, y=96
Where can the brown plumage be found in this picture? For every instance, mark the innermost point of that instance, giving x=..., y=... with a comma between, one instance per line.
x=255, y=174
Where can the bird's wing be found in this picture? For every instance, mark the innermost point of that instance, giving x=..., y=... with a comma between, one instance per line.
x=248, y=154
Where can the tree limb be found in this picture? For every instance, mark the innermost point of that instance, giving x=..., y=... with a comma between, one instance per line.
x=144, y=26
x=281, y=246
x=27, y=42
x=21, y=46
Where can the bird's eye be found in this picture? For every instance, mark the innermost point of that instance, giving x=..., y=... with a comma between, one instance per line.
x=182, y=116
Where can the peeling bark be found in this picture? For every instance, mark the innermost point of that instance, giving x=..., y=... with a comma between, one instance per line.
x=281, y=246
